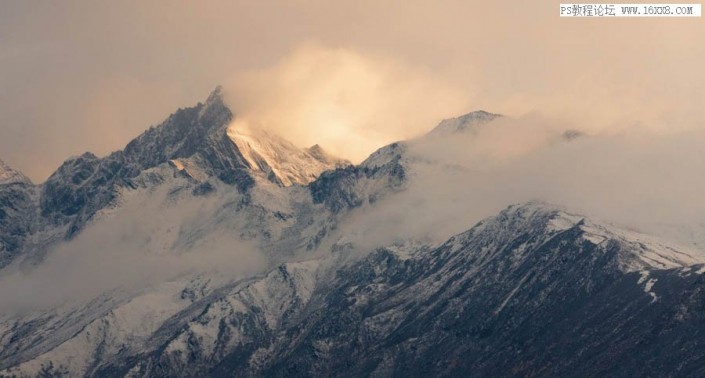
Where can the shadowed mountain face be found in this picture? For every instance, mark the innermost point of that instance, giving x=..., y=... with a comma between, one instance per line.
x=532, y=291
x=515, y=295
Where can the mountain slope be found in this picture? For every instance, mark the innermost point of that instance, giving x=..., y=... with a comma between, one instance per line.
x=208, y=249
x=467, y=123
x=196, y=143
x=516, y=295
x=532, y=291
x=10, y=176
x=280, y=160
x=525, y=293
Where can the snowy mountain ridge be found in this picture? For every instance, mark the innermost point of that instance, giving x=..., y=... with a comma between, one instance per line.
x=406, y=296
x=281, y=160
x=462, y=124
x=197, y=143
x=205, y=248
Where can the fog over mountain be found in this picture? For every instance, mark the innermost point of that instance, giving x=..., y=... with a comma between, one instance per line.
x=316, y=188
x=207, y=246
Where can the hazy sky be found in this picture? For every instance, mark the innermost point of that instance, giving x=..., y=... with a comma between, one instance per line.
x=77, y=76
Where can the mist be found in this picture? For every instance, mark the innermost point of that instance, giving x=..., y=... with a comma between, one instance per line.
x=87, y=76
x=638, y=179
x=348, y=102
x=153, y=238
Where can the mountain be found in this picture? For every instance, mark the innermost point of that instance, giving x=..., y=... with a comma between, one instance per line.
x=283, y=162
x=17, y=205
x=10, y=176
x=197, y=143
x=206, y=248
x=534, y=290
x=463, y=124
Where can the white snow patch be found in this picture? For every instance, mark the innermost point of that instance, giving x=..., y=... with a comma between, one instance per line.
x=648, y=284
x=290, y=164
x=564, y=221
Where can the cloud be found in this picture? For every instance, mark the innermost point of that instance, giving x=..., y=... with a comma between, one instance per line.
x=153, y=238
x=350, y=102
x=637, y=179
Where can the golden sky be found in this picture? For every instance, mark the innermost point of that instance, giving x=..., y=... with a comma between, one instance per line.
x=84, y=75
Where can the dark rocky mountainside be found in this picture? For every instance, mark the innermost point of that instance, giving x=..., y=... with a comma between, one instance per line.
x=533, y=291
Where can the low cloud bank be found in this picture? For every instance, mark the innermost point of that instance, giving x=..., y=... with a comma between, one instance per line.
x=636, y=179
x=152, y=239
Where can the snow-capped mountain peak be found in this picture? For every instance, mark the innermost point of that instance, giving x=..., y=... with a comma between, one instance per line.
x=636, y=252
x=281, y=160
x=209, y=140
x=465, y=123
x=196, y=143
